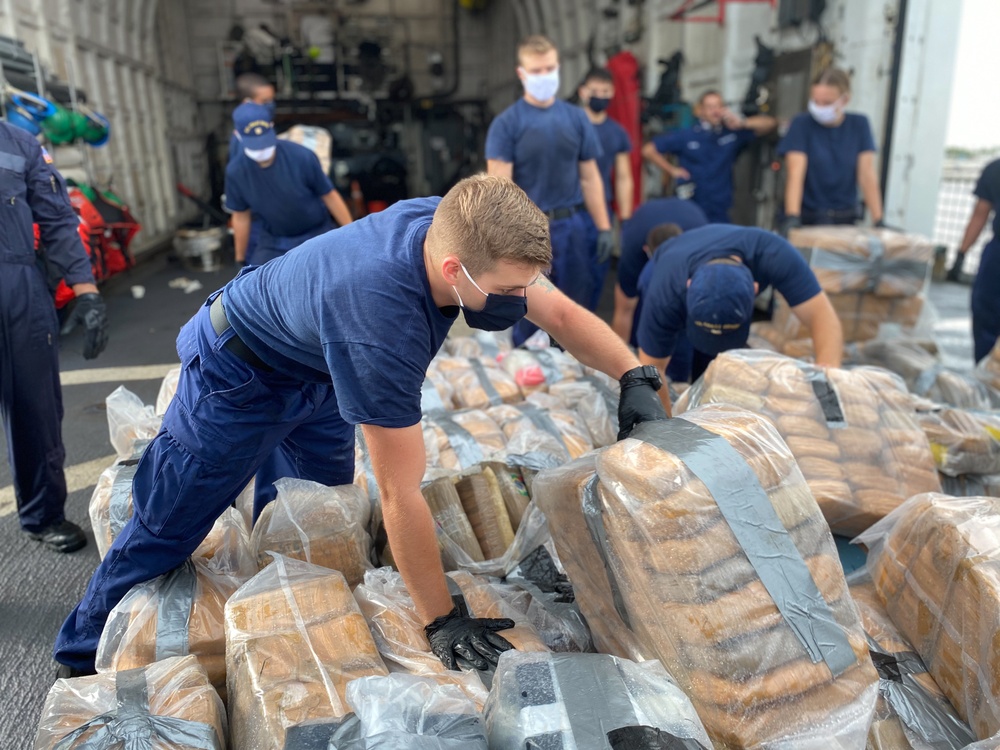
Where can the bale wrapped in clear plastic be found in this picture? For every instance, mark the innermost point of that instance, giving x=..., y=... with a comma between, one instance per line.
x=935, y=563
x=538, y=437
x=168, y=389
x=482, y=500
x=971, y=485
x=988, y=372
x=459, y=440
x=557, y=620
x=539, y=369
x=477, y=383
x=911, y=712
x=592, y=701
x=436, y=394
x=294, y=639
x=169, y=705
x=483, y=344
x=129, y=421
x=853, y=433
x=716, y=560
x=595, y=402
x=861, y=316
x=325, y=526
x=399, y=633
x=963, y=442
x=482, y=600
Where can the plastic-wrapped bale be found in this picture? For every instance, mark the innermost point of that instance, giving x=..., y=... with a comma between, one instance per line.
x=484, y=506
x=446, y=508
x=513, y=490
x=860, y=315
x=539, y=369
x=595, y=402
x=294, y=639
x=483, y=344
x=460, y=440
x=935, y=562
x=766, y=336
x=482, y=600
x=399, y=633
x=129, y=421
x=853, y=433
x=436, y=394
x=591, y=701
x=322, y=525
x=911, y=712
x=557, y=620
x=403, y=712
x=971, y=485
x=477, y=383
x=172, y=700
x=963, y=442
x=539, y=438
x=719, y=564
x=168, y=388
x=313, y=137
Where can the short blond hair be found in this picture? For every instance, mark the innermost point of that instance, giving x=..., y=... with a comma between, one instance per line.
x=835, y=77
x=536, y=44
x=486, y=219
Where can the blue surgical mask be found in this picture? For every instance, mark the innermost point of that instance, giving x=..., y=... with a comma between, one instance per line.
x=542, y=86
x=500, y=312
x=598, y=104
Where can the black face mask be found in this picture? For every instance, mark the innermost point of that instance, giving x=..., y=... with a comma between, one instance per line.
x=500, y=312
x=598, y=104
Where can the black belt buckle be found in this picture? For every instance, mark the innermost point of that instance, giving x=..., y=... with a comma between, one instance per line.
x=556, y=214
x=235, y=346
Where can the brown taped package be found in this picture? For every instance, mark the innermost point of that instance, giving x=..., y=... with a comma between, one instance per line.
x=858, y=468
x=513, y=490
x=935, y=562
x=484, y=506
x=445, y=452
x=963, y=442
x=470, y=391
x=483, y=601
x=565, y=438
x=79, y=712
x=691, y=595
x=294, y=639
x=446, y=508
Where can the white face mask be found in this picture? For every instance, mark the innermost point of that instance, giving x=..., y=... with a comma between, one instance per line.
x=542, y=86
x=260, y=155
x=824, y=114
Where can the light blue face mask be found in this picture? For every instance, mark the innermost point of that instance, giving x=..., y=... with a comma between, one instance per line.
x=542, y=86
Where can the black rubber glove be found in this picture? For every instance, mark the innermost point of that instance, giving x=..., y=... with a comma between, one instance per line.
x=788, y=224
x=605, y=244
x=91, y=313
x=638, y=403
x=472, y=640
x=955, y=272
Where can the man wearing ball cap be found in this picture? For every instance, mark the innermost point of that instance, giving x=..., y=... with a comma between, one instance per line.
x=703, y=284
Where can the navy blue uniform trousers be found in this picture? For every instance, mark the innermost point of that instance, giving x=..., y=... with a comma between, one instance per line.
x=224, y=424
x=986, y=300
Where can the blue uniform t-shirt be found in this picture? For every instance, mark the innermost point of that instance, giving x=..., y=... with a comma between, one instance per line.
x=988, y=188
x=285, y=196
x=614, y=140
x=832, y=170
x=685, y=214
x=546, y=147
x=708, y=154
x=771, y=260
x=355, y=306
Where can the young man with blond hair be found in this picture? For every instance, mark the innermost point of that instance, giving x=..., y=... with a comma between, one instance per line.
x=550, y=149
x=289, y=357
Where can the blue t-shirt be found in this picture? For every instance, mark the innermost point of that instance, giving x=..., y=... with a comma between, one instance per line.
x=832, y=153
x=546, y=147
x=614, y=140
x=685, y=214
x=988, y=188
x=286, y=196
x=771, y=260
x=353, y=305
x=708, y=154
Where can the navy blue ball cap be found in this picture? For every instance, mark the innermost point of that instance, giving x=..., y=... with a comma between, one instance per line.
x=720, y=306
x=254, y=126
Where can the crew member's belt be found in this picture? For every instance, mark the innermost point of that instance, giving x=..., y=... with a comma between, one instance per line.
x=564, y=213
x=235, y=346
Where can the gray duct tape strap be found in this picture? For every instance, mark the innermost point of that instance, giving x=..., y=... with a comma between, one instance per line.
x=120, y=506
x=764, y=540
x=430, y=399
x=550, y=369
x=598, y=696
x=367, y=460
x=130, y=726
x=488, y=343
x=593, y=514
x=542, y=421
x=173, y=611
x=465, y=446
x=610, y=399
x=534, y=460
x=833, y=413
x=485, y=382
x=927, y=379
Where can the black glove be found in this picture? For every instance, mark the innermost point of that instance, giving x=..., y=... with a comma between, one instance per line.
x=454, y=637
x=639, y=402
x=605, y=244
x=788, y=224
x=91, y=313
x=955, y=272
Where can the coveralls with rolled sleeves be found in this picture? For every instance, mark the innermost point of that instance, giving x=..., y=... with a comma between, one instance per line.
x=286, y=197
x=289, y=357
x=30, y=395
x=708, y=154
x=545, y=147
x=986, y=287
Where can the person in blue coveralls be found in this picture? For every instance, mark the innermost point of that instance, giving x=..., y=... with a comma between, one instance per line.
x=282, y=184
x=829, y=153
x=292, y=355
x=703, y=285
x=596, y=93
x=685, y=214
x=30, y=393
x=986, y=287
x=550, y=149
x=706, y=153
